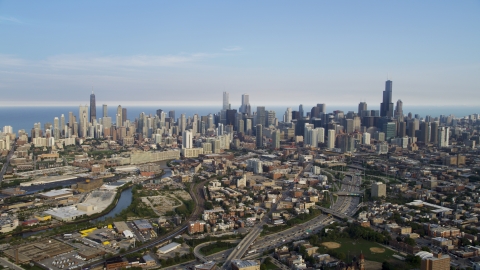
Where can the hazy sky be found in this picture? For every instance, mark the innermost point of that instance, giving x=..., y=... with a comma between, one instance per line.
x=279, y=52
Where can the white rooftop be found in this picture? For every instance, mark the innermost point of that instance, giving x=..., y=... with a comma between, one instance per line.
x=59, y=192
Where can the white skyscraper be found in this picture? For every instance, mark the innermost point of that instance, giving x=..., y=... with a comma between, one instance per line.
x=226, y=103
x=443, y=136
x=307, y=134
x=321, y=135
x=83, y=117
x=62, y=125
x=366, y=138
x=187, y=139
x=287, y=118
x=331, y=139
x=313, y=137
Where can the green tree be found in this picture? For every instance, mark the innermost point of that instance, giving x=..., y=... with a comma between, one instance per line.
x=386, y=266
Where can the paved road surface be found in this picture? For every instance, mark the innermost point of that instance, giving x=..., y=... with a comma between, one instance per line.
x=6, y=262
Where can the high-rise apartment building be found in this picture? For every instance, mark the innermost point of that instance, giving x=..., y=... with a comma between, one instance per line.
x=386, y=107
x=259, y=136
x=443, y=136
x=105, y=110
x=276, y=139
x=187, y=139
x=379, y=189
x=287, y=118
x=425, y=132
x=124, y=115
x=119, y=118
x=261, y=116
x=366, y=138
x=331, y=139
x=93, y=108
x=434, y=132
x=62, y=125
x=83, y=117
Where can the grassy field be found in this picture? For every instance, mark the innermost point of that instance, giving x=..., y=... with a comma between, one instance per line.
x=270, y=266
x=352, y=248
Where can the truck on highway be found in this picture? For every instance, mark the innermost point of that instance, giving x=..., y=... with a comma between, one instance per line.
x=251, y=251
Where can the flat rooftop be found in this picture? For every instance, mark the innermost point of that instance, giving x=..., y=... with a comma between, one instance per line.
x=65, y=212
x=56, y=193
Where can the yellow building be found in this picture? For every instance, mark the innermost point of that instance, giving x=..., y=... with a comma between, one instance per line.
x=89, y=185
x=43, y=217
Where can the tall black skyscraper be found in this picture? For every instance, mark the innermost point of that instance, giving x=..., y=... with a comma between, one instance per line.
x=93, y=108
x=386, y=107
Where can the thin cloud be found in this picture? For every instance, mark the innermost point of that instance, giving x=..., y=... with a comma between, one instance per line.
x=11, y=61
x=9, y=19
x=135, y=61
x=233, y=49
x=83, y=62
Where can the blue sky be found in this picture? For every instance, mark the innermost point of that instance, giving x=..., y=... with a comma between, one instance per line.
x=279, y=52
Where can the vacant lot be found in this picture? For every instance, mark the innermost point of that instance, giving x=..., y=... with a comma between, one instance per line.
x=166, y=201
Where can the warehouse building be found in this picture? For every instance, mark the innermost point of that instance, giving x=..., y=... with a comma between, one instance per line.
x=67, y=213
x=168, y=248
x=57, y=194
x=121, y=226
x=143, y=225
x=89, y=185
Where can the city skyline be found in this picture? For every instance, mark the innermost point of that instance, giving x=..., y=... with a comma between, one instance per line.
x=336, y=53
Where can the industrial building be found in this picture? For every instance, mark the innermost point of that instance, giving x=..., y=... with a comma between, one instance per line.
x=143, y=225
x=90, y=253
x=67, y=213
x=57, y=194
x=86, y=207
x=127, y=234
x=89, y=185
x=121, y=226
x=37, y=251
x=116, y=263
x=168, y=248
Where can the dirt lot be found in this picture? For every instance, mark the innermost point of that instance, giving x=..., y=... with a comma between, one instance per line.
x=377, y=250
x=331, y=245
x=165, y=202
x=182, y=194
